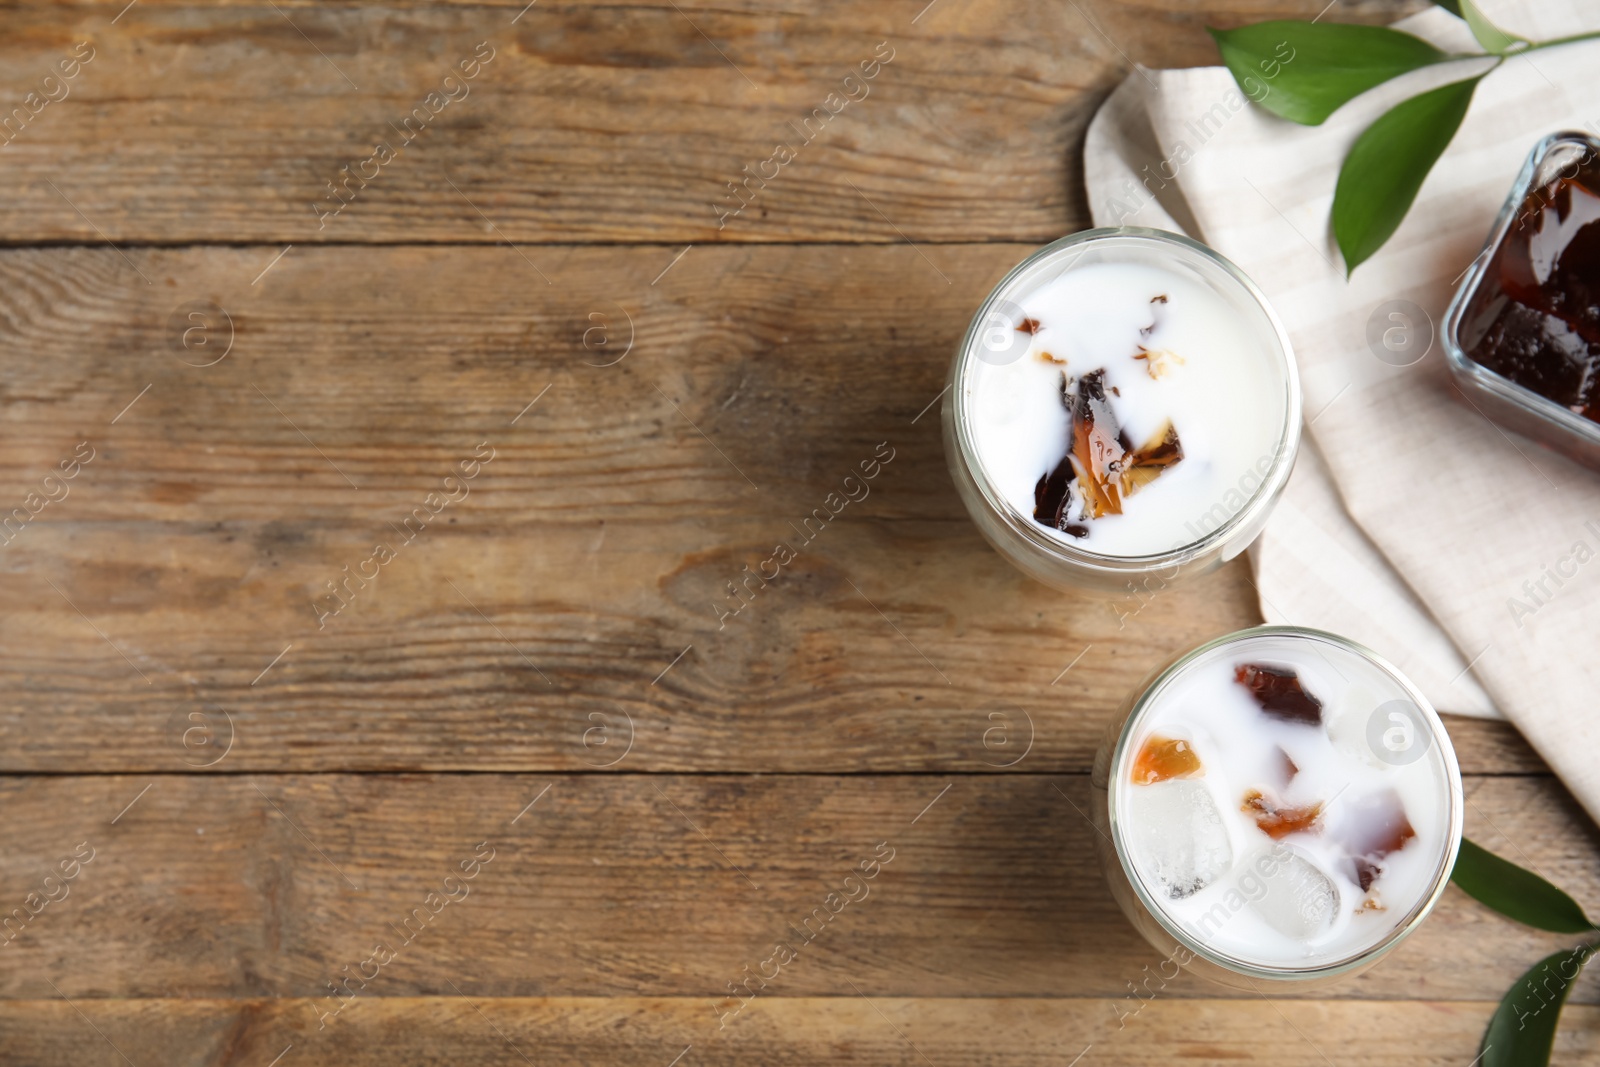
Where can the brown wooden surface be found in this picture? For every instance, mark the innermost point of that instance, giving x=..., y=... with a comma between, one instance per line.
x=265, y=796
x=594, y=122
x=850, y=1029
x=652, y=885
x=598, y=542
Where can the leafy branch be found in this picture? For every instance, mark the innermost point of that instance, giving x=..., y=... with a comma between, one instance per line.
x=1522, y=1030
x=1329, y=65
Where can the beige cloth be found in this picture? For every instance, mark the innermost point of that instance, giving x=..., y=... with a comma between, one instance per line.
x=1411, y=524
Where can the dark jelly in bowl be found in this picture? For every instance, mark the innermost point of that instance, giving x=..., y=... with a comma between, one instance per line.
x=1523, y=331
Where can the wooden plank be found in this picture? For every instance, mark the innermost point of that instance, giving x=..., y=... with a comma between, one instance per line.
x=596, y=547
x=545, y=654
x=647, y=885
x=419, y=680
x=649, y=1032
x=610, y=123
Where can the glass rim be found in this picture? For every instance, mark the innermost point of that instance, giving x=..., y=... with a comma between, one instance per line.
x=1455, y=313
x=1456, y=811
x=1253, y=510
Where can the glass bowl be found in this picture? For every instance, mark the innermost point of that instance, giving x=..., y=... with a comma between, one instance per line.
x=1029, y=545
x=1424, y=737
x=1479, y=300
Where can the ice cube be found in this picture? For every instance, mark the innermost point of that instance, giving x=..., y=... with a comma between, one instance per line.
x=1379, y=733
x=1290, y=892
x=1178, y=836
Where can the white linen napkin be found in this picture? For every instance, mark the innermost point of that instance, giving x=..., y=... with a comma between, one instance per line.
x=1412, y=524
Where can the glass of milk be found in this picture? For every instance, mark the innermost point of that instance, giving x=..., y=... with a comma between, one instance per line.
x=1123, y=410
x=1277, y=804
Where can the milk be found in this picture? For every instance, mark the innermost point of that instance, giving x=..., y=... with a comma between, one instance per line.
x=1174, y=348
x=1373, y=742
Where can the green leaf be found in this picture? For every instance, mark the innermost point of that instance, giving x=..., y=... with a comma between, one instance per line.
x=1387, y=164
x=1305, y=71
x=1488, y=34
x=1516, y=893
x=1452, y=6
x=1522, y=1030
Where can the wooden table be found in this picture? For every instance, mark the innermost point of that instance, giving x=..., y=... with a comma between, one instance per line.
x=519, y=353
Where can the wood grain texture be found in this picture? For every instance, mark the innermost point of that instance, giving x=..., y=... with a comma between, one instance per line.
x=848, y=1030
x=650, y=885
x=592, y=123
x=269, y=789
x=532, y=621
